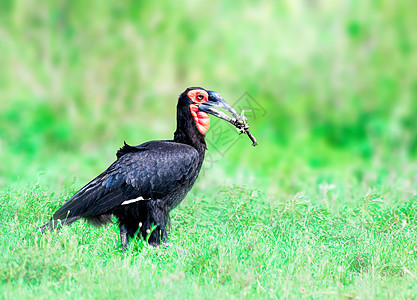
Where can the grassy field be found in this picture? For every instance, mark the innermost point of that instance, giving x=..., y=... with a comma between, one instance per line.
x=324, y=207
x=344, y=239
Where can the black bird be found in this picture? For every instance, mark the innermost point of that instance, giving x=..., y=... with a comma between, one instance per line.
x=147, y=181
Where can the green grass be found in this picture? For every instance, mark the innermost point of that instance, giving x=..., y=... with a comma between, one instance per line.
x=235, y=242
x=325, y=206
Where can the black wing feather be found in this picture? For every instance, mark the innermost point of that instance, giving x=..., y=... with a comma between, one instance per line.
x=126, y=149
x=151, y=170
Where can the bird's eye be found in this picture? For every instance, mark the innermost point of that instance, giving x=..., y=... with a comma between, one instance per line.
x=200, y=97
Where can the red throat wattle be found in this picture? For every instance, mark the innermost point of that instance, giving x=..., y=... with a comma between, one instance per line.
x=202, y=119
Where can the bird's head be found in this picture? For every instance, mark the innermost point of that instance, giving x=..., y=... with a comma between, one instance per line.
x=201, y=103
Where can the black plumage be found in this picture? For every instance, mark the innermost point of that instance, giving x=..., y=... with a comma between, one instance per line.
x=147, y=181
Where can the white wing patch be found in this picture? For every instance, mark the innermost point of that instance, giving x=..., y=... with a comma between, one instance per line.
x=140, y=198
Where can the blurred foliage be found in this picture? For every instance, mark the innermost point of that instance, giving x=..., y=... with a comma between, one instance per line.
x=337, y=81
x=333, y=90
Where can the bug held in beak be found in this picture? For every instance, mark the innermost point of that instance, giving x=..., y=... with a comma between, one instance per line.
x=216, y=101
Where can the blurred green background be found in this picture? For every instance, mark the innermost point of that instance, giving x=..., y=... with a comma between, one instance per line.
x=336, y=83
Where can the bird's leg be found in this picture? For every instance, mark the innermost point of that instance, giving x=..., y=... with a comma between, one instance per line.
x=123, y=236
x=157, y=235
x=156, y=216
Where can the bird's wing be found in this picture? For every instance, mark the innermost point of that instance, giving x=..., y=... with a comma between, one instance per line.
x=151, y=171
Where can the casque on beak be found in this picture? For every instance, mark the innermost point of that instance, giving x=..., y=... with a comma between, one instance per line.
x=215, y=100
x=239, y=121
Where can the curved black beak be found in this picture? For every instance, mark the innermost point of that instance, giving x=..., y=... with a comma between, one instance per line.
x=239, y=121
x=215, y=100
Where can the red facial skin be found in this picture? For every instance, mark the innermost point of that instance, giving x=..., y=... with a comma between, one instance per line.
x=202, y=119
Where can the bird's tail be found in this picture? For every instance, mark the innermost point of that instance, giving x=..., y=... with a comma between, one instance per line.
x=54, y=224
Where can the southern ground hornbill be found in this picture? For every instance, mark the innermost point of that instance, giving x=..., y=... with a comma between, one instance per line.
x=147, y=181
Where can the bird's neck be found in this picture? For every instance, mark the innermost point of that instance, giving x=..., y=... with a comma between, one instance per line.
x=187, y=132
